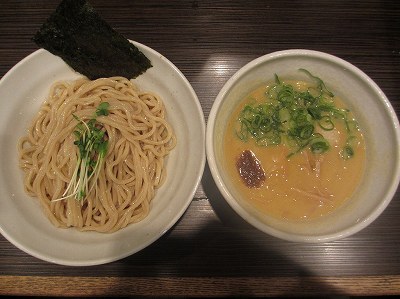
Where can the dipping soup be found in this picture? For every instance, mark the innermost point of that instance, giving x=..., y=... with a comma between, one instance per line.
x=310, y=161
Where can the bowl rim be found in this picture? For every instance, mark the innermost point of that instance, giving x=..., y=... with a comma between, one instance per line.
x=390, y=192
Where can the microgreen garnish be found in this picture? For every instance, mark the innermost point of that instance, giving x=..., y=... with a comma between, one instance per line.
x=92, y=142
x=102, y=109
x=292, y=117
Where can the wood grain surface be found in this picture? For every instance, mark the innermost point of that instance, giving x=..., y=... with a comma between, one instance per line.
x=211, y=251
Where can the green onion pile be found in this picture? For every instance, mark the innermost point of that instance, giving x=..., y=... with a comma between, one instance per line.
x=290, y=116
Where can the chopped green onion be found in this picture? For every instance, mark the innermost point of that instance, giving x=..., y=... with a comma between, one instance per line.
x=348, y=152
x=326, y=123
x=319, y=145
x=321, y=84
x=291, y=116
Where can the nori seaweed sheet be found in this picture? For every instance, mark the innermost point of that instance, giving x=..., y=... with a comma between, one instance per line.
x=76, y=33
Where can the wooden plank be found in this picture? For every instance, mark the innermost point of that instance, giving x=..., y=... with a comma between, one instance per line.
x=199, y=287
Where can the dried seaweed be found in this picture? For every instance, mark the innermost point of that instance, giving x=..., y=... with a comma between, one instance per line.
x=76, y=33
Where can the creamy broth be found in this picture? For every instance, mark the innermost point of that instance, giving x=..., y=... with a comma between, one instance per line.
x=305, y=185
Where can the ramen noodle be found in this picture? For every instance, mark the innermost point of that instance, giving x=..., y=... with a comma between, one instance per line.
x=135, y=139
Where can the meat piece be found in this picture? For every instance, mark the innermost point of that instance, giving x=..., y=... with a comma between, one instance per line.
x=250, y=169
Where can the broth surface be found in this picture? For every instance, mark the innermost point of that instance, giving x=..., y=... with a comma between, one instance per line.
x=304, y=186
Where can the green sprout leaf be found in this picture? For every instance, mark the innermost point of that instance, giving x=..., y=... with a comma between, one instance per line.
x=92, y=142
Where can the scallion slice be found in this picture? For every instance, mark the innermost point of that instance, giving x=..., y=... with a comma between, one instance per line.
x=292, y=117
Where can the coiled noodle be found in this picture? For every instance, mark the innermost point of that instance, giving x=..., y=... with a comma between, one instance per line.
x=139, y=139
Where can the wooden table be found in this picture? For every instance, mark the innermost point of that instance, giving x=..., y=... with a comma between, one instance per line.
x=211, y=251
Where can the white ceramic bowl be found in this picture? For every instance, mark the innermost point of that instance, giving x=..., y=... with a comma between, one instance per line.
x=23, y=223
x=376, y=118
